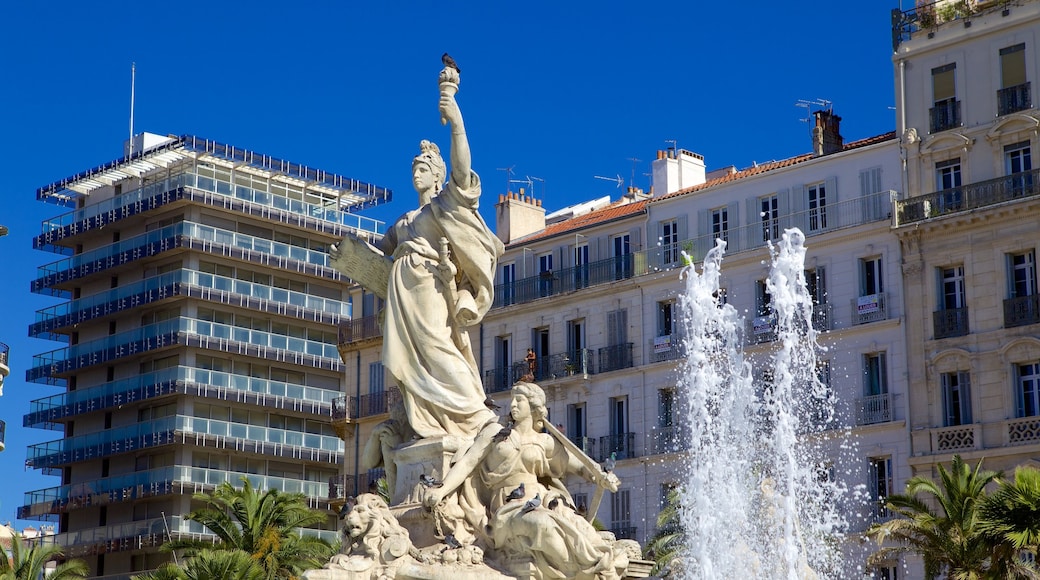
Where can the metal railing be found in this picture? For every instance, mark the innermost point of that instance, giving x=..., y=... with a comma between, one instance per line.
x=946, y=114
x=950, y=322
x=874, y=409
x=368, y=405
x=617, y=357
x=929, y=16
x=972, y=196
x=1021, y=311
x=869, y=308
x=622, y=445
x=351, y=485
x=586, y=444
x=623, y=531
x=358, y=329
x=667, y=440
x=665, y=348
x=580, y=362
x=1014, y=99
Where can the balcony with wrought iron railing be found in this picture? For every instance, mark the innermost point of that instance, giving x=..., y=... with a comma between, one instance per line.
x=874, y=409
x=1014, y=99
x=359, y=330
x=928, y=17
x=976, y=195
x=1022, y=310
x=350, y=485
x=588, y=445
x=950, y=322
x=613, y=358
x=667, y=439
x=347, y=408
x=945, y=115
x=622, y=445
x=557, y=366
x=870, y=308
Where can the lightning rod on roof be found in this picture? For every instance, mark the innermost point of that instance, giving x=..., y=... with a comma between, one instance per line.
x=133, y=78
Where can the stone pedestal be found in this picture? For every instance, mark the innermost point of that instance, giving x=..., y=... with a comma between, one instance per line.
x=422, y=457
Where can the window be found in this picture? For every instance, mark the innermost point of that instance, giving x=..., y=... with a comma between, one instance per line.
x=945, y=114
x=666, y=318
x=1014, y=94
x=576, y=360
x=666, y=408
x=670, y=241
x=622, y=255
x=956, y=393
x=875, y=374
x=1018, y=164
x=885, y=572
x=618, y=415
x=816, y=284
x=581, y=265
x=817, y=207
x=576, y=424
x=948, y=180
x=1022, y=270
x=581, y=502
x=763, y=299
x=503, y=354
x=621, y=515
x=870, y=276
x=1027, y=377
x=720, y=224
x=545, y=278
x=508, y=280
x=770, y=213
x=952, y=288
x=617, y=327
x=880, y=473
x=376, y=377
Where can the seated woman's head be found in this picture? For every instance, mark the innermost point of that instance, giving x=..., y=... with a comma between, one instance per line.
x=535, y=399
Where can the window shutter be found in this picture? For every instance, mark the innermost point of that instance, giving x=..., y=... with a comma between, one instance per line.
x=783, y=204
x=635, y=242
x=965, y=381
x=565, y=257
x=832, y=190
x=683, y=231
x=705, y=237
x=754, y=211
x=799, y=205
x=821, y=285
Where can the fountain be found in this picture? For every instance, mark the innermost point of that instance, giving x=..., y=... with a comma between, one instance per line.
x=758, y=500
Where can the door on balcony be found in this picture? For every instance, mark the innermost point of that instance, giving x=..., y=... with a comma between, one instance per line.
x=618, y=429
x=952, y=283
x=617, y=354
x=508, y=286
x=880, y=485
x=576, y=427
x=503, y=360
x=576, y=358
x=956, y=391
x=545, y=276
x=874, y=374
x=1018, y=165
x=1027, y=377
x=621, y=515
x=540, y=340
x=621, y=252
x=581, y=265
x=871, y=278
x=948, y=181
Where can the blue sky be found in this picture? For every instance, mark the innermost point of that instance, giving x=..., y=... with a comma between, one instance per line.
x=560, y=91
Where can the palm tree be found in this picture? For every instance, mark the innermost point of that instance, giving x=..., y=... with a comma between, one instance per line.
x=29, y=563
x=666, y=543
x=1011, y=515
x=210, y=565
x=950, y=539
x=263, y=525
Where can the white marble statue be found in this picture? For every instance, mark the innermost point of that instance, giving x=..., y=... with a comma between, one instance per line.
x=440, y=282
x=510, y=484
x=374, y=544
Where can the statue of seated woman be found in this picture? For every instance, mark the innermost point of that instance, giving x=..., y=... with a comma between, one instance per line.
x=509, y=482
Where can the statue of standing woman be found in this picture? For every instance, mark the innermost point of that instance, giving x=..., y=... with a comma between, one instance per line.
x=435, y=268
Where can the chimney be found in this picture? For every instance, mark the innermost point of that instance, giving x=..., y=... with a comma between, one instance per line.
x=518, y=215
x=672, y=171
x=825, y=134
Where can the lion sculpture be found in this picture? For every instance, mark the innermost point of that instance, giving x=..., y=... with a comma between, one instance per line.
x=374, y=544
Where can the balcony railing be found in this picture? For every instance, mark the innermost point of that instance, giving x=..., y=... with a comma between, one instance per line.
x=377, y=403
x=1014, y=99
x=761, y=329
x=1023, y=430
x=668, y=439
x=946, y=114
x=580, y=362
x=623, y=531
x=1021, y=311
x=844, y=214
x=587, y=444
x=967, y=197
x=870, y=308
x=822, y=316
x=950, y=322
x=665, y=348
x=956, y=438
x=623, y=445
x=874, y=409
x=359, y=329
x=350, y=485
x=617, y=357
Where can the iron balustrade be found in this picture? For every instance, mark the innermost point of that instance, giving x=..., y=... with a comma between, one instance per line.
x=822, y=316
x=664, y=348
x=869, y=308
x=874, y=409
x=623, y=531
x=668, y=439
x=586, y=444
x=377, y=403
x=351, y=485
x=555, y=366
x=359, y=329
x=946, y=114
x=950, y=322
x=1014, y=99
x=966, y=197
x=1021, y=311
x=623, y=445
x=617, y=357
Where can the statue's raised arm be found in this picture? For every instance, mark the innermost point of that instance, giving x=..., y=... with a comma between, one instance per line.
x=451, y=114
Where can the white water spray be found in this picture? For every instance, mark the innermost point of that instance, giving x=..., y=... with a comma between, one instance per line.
x=757, y=503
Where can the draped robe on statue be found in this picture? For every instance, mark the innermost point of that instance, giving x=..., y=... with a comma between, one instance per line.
x=426, y=346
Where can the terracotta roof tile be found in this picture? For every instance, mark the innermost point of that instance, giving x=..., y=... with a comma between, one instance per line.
x=617, y=210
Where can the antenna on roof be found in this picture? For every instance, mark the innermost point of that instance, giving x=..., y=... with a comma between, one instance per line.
x=808, y=105
x=618, y=180
x=509, y=173
x=133, y=79
x=634, y=163
x=537, y=179
x=530, y=184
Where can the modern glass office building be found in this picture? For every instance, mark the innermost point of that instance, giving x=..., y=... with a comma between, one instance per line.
x=198, y=317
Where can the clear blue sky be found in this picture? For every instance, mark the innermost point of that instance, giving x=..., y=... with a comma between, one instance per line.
x=561, y=90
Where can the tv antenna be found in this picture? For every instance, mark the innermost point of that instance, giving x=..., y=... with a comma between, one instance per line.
x=618, y=180
x=808, y=106
x=509, y=174
x=531, y=177
x=634, y=163
x=528, y=182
